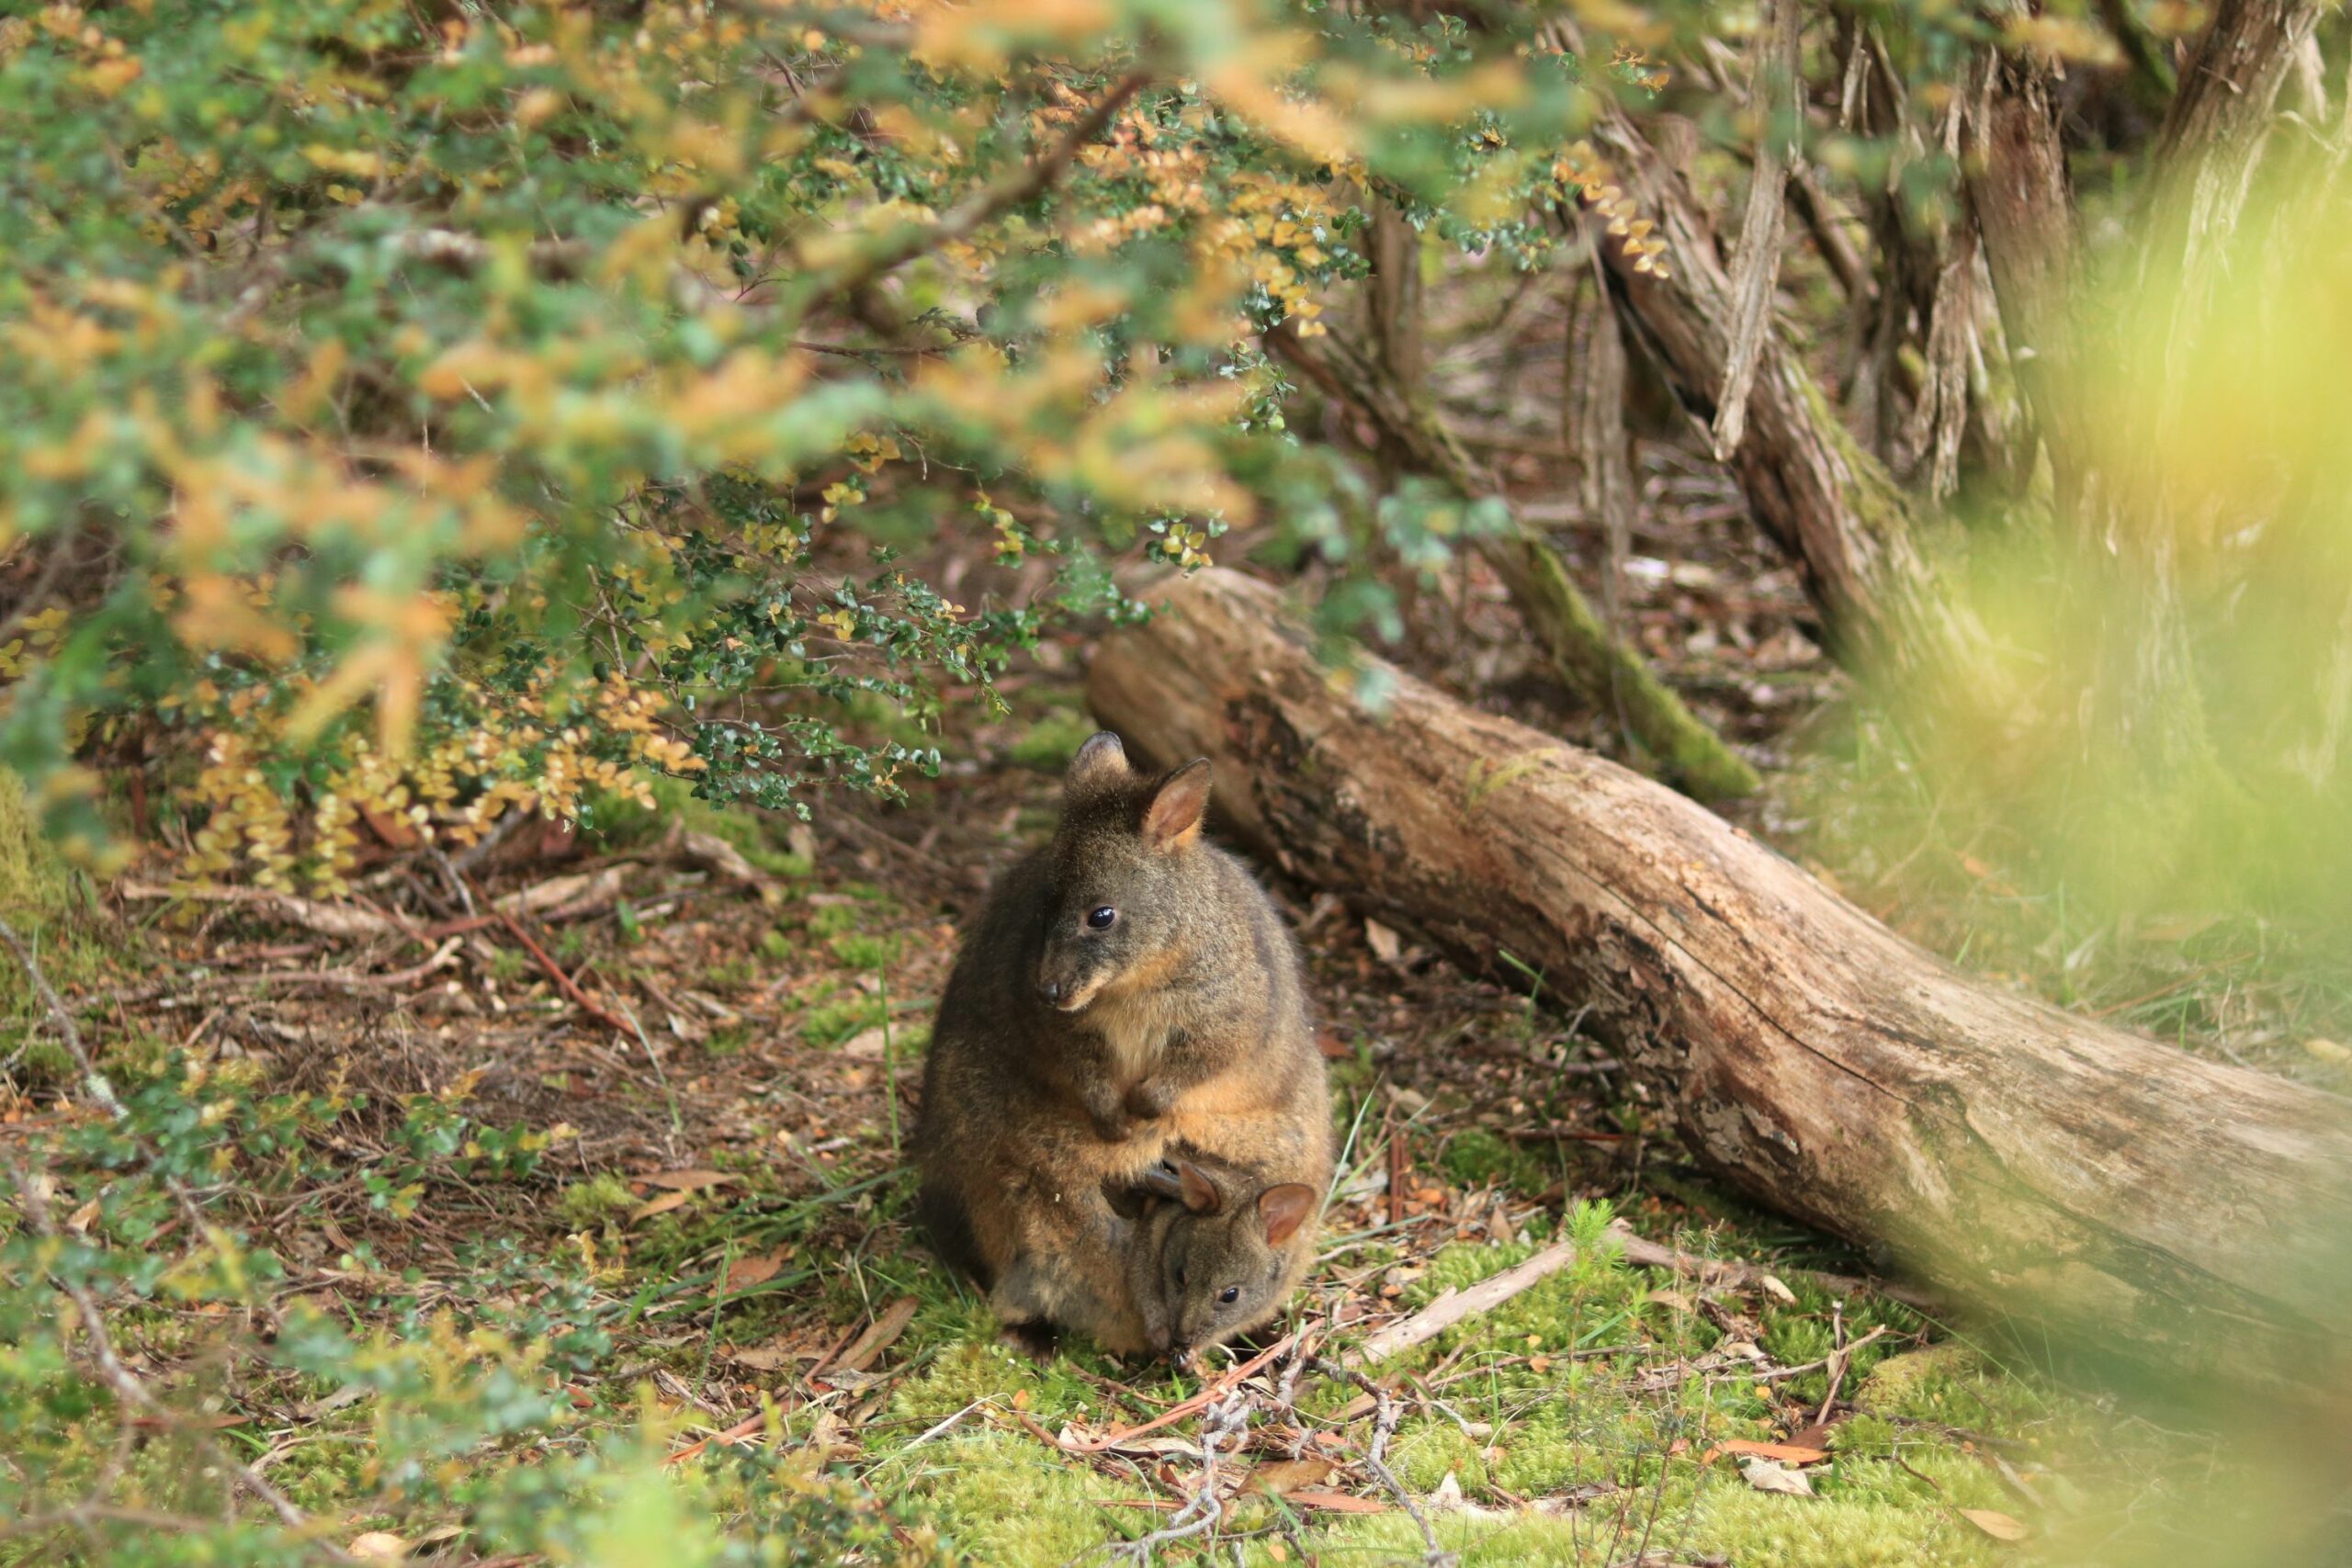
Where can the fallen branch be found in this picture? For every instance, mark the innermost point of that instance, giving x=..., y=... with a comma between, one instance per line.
x=1177, y=1412
x=564, y=981
x=1455, y=1305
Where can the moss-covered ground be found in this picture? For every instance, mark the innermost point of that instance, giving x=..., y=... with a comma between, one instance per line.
x=511, y=1256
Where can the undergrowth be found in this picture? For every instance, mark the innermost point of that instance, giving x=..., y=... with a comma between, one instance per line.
x=269, y=1303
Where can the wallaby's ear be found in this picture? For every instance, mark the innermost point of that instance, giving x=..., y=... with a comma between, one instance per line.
x=1178, y=803
x=1283, y=1209
x=1101, y=763
x=1162, y=1181
x=1199, y=1193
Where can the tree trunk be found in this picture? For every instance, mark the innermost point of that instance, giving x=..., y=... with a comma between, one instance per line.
x=1825, y=501
x=2024, y=207
x=2128, y=1195
x=1590, y=658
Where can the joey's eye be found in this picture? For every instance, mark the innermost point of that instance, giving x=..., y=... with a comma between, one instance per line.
x=1229, y=1296
x=1101, y=918
x=1180, y=1275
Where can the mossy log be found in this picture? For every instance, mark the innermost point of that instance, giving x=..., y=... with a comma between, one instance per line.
x=2126, y=1195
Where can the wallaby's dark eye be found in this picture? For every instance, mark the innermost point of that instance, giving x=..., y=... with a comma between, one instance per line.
x=1180, y=1275
x=1101, y=918
x=1229, y=1296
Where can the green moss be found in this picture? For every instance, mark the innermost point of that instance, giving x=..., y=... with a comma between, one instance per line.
x=1478, y=1156
x=34, y=882
x=585, y=1205
x=1002, y=1498
x=1917, y=1383
x=730, y=975
x=1766, y=1530
x=829, y=920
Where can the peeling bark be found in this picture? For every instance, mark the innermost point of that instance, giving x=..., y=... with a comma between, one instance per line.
x=2125, y=1194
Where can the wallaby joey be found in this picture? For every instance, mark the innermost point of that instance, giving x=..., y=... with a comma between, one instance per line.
x=1215, y=1256
x=1127, y=985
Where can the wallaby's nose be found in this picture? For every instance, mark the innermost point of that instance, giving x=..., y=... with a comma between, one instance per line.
x=1051, y=989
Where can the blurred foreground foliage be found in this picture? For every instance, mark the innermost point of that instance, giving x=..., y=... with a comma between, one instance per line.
x=425, y=414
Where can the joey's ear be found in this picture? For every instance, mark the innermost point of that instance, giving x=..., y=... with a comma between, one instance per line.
x=1163, y=1181
x=1199, y=1193
x=1102, y=764
x=1126, y=1202
x=1283, y=1208
x=1172, y=820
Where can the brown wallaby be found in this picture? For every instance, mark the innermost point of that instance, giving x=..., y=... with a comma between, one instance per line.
x=1218, y=1249
x=1127, y=985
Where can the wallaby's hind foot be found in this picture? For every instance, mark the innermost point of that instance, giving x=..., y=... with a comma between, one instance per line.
x=1037, y=1341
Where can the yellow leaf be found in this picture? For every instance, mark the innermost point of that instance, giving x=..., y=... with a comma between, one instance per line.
x=1999, y=1525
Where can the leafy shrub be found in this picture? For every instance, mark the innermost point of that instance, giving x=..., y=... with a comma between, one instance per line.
x=438, y=419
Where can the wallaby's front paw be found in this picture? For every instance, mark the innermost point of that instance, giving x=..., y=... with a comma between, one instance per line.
x=1150, y=1100
x=1112, y=1120
x=1112, y=1126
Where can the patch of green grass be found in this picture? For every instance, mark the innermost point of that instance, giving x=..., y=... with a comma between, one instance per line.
x=860, y=950
x=1052, y=741
x=831, y=1023
x=1478, y=1156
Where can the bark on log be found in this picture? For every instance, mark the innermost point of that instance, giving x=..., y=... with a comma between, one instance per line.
x=2126, y=1194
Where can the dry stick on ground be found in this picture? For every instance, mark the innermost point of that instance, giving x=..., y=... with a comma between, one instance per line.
x=1454, y=1305
x=564, y=981
x=1384, y=1428
x=1589, y=659
x=1227, y=1419
x=2128, y=1195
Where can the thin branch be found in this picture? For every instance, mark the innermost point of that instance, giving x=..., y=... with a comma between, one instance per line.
x=1774, y=91
x=1022, y=184
x=1385, y=1415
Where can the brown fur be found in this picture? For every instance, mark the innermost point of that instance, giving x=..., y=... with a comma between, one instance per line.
x=1193, y=1025
x=1205, y=1227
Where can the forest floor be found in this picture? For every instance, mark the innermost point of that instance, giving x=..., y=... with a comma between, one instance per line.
x=679, y=1167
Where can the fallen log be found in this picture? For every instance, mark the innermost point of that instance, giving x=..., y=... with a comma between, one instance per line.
x=2123, y=1194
